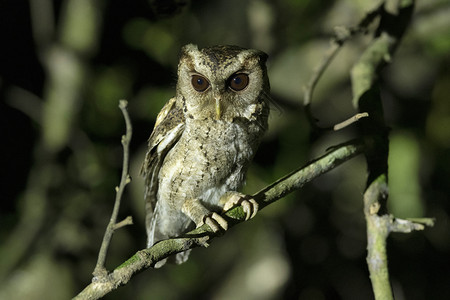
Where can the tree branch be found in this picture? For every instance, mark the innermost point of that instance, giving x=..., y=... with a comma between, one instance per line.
x=146, y=258
x=341, y=35
x=314, y=169
x=377, y=233
x=100, y=270
x=395, y=17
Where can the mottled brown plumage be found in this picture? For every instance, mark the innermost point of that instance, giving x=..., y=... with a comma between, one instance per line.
x=204, y=139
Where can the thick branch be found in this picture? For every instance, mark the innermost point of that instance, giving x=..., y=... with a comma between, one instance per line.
x=395, y=17
x=377, y=233
x=147, y=258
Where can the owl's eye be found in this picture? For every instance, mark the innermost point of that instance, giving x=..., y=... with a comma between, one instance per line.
x=199, y=83
x=238, y=82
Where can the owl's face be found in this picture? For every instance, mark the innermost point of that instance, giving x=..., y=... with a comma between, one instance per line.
x=222, y=82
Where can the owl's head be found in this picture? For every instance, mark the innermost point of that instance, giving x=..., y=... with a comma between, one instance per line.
x=223, y=82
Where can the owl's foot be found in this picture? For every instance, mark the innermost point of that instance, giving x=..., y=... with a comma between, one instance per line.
x=201, y=215
x=232, y=199
x=216, y=222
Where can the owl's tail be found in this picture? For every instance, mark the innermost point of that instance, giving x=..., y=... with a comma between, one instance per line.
x=153, y=236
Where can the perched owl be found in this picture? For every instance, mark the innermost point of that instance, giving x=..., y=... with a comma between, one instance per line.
x=204, y=139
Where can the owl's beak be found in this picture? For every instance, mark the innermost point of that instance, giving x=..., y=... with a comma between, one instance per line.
x=218, y=108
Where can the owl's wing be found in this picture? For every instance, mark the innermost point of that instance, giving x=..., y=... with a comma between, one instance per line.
x=168, y=128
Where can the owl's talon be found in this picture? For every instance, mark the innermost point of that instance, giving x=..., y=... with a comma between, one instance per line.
x=231, y=201
x=250, y=206
x=216, y=222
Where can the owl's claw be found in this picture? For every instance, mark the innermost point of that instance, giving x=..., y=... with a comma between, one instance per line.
x=195, y=210
x=216, y=222
x=250, y=206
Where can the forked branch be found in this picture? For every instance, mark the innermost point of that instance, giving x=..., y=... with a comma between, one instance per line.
x=100, y=269
x=394, y=20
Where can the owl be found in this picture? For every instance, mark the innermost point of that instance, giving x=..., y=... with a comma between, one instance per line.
x=203, y=141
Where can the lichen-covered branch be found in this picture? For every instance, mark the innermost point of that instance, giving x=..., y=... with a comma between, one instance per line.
x=300, y=177
x=394, y=20
x=377, y=233
x=147, y=258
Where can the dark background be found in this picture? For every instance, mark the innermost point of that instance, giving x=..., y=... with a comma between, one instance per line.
x=64, y=65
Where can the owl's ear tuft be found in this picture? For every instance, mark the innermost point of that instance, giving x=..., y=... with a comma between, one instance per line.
x=263, y=57
x=189, y=48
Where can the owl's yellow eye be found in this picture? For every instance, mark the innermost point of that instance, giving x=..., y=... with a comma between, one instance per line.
x=199, y=83
x=238, y=82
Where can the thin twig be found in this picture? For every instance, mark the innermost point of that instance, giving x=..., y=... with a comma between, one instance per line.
x=407, y=226
x=125, y=222
x=341, y=35
x=100, y=269
x=312, y=170
x=350, y=121
x=319, y=70
x=147, y=258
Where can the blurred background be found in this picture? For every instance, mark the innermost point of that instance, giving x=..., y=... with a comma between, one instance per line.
x=64, y=65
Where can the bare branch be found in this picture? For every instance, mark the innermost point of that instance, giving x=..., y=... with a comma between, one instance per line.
x=341, y=35
x=312, y=170
x=125, y=222
x=350, y=121
x=377, y=232
x=319, y=70
x=395, y=16
x=407, y=226
x=378, y=228
x=100, y=269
